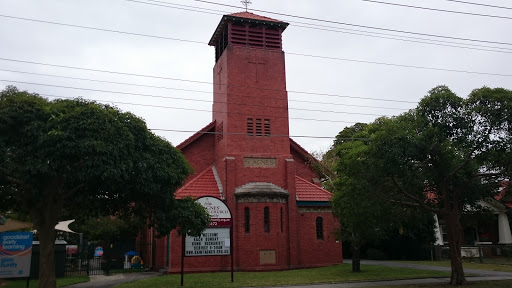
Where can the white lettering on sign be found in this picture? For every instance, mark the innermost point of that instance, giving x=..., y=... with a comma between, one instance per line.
x=213, y=241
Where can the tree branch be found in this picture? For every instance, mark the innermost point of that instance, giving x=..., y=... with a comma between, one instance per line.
x=462, y=165
x=411, y=204
x=13, y=180
x=81, y=161
x=72, y=191
x=483, y=175
x=418, y=202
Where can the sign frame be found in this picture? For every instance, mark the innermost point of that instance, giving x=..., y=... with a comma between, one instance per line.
x=220, y=217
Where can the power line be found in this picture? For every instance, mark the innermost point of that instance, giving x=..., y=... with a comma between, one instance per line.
x=308, y=26
x=185, y=99
x=439, y=10
x=401, y=65
x=480, y=4
x=407, y=39
x=315, y=26
x=191, y=90
x=357, y=25
x=193, y=81
x=202, y=110
x=100, y=29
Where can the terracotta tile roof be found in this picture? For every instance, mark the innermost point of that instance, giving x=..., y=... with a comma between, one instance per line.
x=253, y=16
x=307, y=191
x=204, y=184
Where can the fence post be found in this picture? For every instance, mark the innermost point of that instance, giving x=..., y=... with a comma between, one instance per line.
x=480, y=254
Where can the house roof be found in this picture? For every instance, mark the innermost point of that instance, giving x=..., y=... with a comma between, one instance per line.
x=204, y=184
x=307, y=191
x=208, y=128
x=244, y=16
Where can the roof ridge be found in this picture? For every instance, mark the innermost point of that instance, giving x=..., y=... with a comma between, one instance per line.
x=196, y=135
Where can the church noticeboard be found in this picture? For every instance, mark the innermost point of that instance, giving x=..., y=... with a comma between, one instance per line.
x=15, y=254
x=215, y=240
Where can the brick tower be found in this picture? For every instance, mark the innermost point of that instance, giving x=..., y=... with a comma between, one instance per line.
x=281, y=215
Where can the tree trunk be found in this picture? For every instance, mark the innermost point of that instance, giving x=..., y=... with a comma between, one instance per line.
x=46, y=234
x=44, y=217
x=356, y=259
x=454, y=230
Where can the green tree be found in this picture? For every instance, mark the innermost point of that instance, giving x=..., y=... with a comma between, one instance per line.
x=360, y=202
x=445, y=156
x=87, y=158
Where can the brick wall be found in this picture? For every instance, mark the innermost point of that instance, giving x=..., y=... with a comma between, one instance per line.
x=318, y=252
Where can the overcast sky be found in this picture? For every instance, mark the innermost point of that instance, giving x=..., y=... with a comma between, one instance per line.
x=392, y=89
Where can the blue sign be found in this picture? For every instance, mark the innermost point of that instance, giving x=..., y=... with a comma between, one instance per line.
x=98, y=251
x=15, y=254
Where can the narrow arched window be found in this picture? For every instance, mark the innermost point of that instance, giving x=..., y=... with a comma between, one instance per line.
x=319, y=228
x=282, y=229
x=266, y=220
x=247, y=216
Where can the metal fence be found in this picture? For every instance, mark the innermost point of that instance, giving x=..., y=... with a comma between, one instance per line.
x=82, y=261
x=487, y=253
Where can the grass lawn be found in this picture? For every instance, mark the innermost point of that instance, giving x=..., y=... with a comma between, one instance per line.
x=482, y=284
x=337, y=273
x=61, y=282
x=505, y=267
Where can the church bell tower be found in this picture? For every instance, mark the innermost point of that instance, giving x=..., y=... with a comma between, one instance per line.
x=250, y=104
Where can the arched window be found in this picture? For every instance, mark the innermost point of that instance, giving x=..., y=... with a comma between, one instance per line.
x=247, y=217
x=266, y=219
x=282, y=220
x=319, y=228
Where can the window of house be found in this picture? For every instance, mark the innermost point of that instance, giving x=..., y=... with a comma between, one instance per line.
x=247, y=224
x=266, y=219
x=319, y=228
x=444, y=233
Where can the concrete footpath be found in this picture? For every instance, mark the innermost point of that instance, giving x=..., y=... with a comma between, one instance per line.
x=477, y=275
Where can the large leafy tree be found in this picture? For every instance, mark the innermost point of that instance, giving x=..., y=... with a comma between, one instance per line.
x=85, y=157
x=445, y=156
x=360, y=202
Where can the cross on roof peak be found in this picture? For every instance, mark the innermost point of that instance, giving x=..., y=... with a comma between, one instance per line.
x=246, y=3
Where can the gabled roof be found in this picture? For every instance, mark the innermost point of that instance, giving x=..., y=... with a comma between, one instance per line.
x=204, y=184
x=304, y=153
x=307, y=191
x=208, y=128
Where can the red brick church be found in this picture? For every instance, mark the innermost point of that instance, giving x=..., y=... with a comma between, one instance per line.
x=245, y=157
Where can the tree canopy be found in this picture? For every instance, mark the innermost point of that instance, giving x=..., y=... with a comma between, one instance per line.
x=89, y=158
x=443, y=156
x=366, y=215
